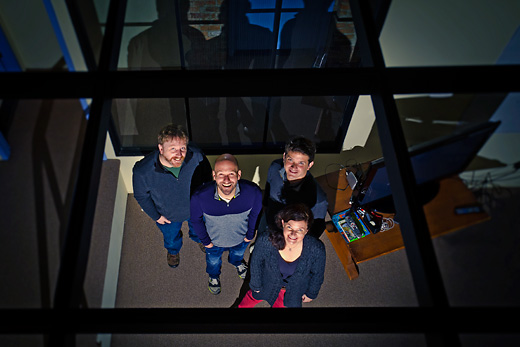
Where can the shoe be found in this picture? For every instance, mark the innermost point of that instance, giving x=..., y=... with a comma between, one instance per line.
x=173, y=260
x=214, y=286
x=202, y=247
x=242, y=270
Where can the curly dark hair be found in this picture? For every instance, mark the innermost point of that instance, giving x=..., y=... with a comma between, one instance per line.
x=295, y=212
x=302, y=145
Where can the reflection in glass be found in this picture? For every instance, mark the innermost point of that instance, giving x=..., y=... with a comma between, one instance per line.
x=157, y=46
x=311, y=39
x=244, y=34
x=228, y=121
x=138, y=121
x=232, y=122
x=46, y=137
x=234, y=34
x=427, y=117
x=318, y=118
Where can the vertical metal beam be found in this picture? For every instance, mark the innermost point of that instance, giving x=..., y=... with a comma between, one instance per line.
x=182, y=54
x=422, y=260
x=112, y=39
x=74, y=257
x=276, y=31
x=419, y=248
x=82, y=34
x=274, y=54
x=380, y=10
x=77, y=239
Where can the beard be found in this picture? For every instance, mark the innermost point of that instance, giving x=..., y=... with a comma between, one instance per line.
x=175, y=161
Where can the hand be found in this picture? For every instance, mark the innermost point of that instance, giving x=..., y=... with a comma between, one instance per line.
x=306, y=299
x=163, y=220
x=210, y=245
x=246, y=239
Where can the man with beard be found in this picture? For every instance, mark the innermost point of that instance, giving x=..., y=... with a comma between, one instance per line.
x=163, y=182
x=224, y=216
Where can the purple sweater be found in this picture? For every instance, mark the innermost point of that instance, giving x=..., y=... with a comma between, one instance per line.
x=225, y=224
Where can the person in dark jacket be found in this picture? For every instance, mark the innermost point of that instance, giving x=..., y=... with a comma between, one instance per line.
x=289, y=181
x=287, y=266
x=163, y=182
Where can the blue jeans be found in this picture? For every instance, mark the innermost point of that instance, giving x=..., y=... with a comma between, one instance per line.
x=173, y=236
x=214, y=257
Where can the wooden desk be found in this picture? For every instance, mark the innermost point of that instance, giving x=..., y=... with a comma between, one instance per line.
x=439, y=214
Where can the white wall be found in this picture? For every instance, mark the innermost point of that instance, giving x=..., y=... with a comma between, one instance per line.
x=448, y=32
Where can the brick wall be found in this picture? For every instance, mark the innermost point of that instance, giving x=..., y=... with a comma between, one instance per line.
x=208, y=10
x=345, y=24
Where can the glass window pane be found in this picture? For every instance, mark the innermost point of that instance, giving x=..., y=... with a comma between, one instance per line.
x=147, y=11
x=46, y=138
x=265, y=20
x=426, y=117
x=446, y=135
x=292, y=3
x=314, y=37
x=151, y=37
x=138, y=121
x=203, y=36
x=316, y=117
x=429, y=118
x=443, y=33
x=262, y=4
x=43, y=53
x=92, y=15
x=235, y=122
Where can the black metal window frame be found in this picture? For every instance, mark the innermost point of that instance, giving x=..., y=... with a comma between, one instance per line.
x=102, y=84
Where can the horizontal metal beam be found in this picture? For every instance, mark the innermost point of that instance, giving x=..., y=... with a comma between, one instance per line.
x=282, y=82
x=287, y=321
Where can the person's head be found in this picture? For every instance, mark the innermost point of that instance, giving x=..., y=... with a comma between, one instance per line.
x=165, y=8
x=173, y=145
x=298, y=157
x=314, y=5
x=226, y=174
x=234, y=9
x=292, y=224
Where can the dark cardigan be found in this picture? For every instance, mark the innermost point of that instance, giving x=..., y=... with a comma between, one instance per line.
x=267, y=279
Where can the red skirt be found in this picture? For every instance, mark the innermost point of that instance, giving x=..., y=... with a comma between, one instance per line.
x=248, y=301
